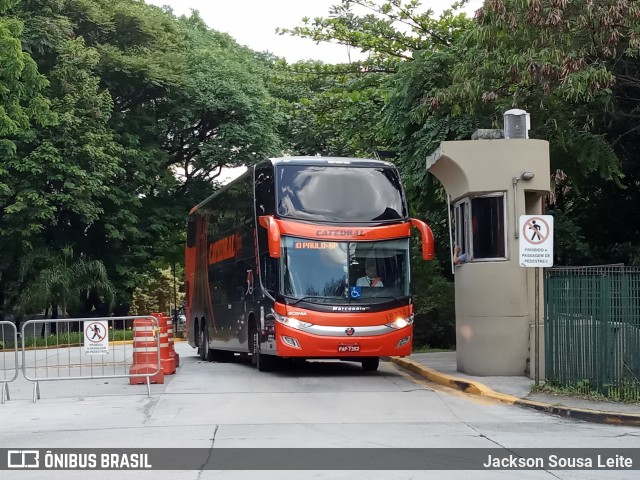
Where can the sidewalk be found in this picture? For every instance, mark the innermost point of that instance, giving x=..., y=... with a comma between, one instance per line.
x=441, y=368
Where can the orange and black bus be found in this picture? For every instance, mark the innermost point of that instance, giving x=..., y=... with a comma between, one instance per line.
x=303, y=257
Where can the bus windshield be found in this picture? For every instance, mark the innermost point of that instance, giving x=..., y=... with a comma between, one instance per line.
x=344, y=272
x=340, y=194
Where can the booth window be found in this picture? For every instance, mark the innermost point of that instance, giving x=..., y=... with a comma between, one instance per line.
x=480, y=229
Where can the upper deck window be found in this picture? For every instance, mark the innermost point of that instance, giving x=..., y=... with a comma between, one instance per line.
x=344, y=194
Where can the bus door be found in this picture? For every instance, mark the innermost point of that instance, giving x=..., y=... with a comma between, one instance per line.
x=245, y=291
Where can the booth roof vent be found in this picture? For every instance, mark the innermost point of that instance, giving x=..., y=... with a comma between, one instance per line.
x=516, y=124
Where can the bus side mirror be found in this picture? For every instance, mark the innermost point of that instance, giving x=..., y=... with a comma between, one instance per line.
x=268, y=222
x=427, y=238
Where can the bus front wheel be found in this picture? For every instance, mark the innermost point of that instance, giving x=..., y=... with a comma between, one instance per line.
x=370, y=364
x=265, y=363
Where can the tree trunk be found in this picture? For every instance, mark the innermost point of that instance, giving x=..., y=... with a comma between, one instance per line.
x=43, y=331
x=54, y=316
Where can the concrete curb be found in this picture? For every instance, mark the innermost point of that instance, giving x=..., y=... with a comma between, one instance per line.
x=477, y=388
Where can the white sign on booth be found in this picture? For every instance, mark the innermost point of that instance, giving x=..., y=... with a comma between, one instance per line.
x=536, y=240
x=96, y=337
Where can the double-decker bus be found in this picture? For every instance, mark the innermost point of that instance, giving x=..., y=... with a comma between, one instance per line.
x=303, y=257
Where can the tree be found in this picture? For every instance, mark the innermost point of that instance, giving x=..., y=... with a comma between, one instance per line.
x=23, y=104
x=337, y=114
x=156, y=293
x=390, y=31
x=59, y=281
x=223, y=116
x=146, y=109
x=574, y=66
x=20, y=83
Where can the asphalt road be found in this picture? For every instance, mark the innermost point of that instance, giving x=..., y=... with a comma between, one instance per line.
x=313, y=405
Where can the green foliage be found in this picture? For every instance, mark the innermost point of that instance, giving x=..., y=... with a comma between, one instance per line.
x=22, y=104
x=66, y=339
x=340, y=118
x=570, y=246
x=428, y=349
x=223, y=117
x=580, y=89
x=73, y=161
x=116, y=117
x=390, y=31
x=156, y=293
x=59, y=281
x=585, y=389
x=20, y=83
x=145, y=111
x=434, y=305
x=565, y=63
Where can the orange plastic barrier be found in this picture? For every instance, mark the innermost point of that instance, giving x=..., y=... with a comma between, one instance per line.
x=168, y=363
x=145, y=352
x=172, y=348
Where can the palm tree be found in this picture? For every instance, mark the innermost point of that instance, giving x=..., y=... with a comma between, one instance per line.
x=58, y=281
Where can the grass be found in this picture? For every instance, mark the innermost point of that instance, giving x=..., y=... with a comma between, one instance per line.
x=66, y=339
x=626, y=393
x=428, y=349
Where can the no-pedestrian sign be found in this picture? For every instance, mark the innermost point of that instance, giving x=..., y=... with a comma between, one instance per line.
x=96, y=337
x=536, y=241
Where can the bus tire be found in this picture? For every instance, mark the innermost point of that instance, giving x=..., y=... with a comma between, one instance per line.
x=370, y=364
x=266, y=363
x=203, y=342
x=196, y=336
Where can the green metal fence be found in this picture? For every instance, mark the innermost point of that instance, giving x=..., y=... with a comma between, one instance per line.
x=592, y=331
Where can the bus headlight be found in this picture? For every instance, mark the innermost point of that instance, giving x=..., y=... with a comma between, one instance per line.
x=400, y=322
x=291, y=322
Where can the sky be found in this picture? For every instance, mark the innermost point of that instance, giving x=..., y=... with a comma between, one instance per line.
x=253, y=23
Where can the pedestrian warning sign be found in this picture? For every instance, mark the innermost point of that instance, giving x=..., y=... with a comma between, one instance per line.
x=96, y=337
x=536, y=241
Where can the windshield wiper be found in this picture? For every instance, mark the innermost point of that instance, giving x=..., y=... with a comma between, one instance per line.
x=304, y=299
x=379, y=297
x=332, y=300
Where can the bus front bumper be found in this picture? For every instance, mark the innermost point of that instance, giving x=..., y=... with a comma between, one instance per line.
x=291, y=342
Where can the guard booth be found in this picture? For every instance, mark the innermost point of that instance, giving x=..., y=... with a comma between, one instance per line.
x=490, y=183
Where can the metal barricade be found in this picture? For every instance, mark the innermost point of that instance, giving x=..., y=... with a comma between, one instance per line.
x=8, y=357
x=82, y=348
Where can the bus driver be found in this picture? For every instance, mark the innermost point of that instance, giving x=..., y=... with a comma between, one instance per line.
x=371, y=279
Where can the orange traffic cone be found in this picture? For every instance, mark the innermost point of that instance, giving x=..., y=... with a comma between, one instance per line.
x=172, y=347
x=168, y=363
x=145, y=352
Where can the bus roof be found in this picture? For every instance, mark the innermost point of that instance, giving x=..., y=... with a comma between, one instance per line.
x=301, y=160
x=317, y=160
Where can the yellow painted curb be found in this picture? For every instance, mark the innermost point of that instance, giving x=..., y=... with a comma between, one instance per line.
x=458, y=383
x=477, y=388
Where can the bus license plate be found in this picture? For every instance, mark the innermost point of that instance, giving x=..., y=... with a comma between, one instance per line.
x=352, y=347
